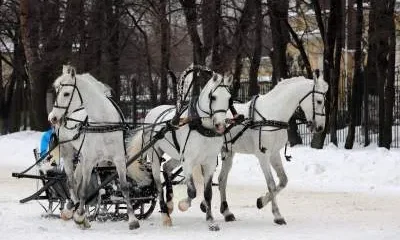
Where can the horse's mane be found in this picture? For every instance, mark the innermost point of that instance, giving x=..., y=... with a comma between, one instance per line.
x=101, y=87
x=107, y=90
x=288, y=81
x=285, y=82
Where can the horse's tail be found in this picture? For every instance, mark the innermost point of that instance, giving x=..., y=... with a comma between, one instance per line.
x=137, y=170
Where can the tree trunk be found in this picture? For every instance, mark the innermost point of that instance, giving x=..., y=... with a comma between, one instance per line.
x=390, y=76
x=329, y=39
x=216, y=48
x=280, y=38
x=70, y=29
x=112, y=74
x=165, y=50
x=93, y=52
x=355, y=105
x=229, y=51
x=255, y=61
x=336, y=71
x=152, y=87
x=300, y=46
x=236, y=76
x=18, y=77
x=199, y=58
x=29, y=12
x=381, y=60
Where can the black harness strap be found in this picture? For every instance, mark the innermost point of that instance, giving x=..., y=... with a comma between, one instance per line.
x=175, y=140
x=263, y=123
x=186, y=141
x=288, y=157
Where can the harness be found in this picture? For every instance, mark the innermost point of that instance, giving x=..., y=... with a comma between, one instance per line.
x=251, y=123
x=194, y=109
x=85, y=126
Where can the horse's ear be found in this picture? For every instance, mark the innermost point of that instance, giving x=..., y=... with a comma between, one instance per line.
x=72, y=71
x=322, y=85
x=215, y=77
x=229, y=80
x=65, y=69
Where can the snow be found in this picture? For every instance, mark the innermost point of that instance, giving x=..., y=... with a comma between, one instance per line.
x=332, y=193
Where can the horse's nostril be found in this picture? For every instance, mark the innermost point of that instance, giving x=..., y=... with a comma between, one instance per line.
x=54, y=119
x=319, y=129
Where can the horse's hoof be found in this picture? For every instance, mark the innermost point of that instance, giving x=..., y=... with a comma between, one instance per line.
x=230, y=218
x=213, y=227
x=66, y=214
x=78, y=219
x=81, y=221
x=134, y=225
x=167, y=222
x=203, y=207
x=280, y=221
x=183, y=205
x=260, y=203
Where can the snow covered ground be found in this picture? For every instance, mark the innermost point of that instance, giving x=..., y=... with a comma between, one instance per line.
x=332, y=193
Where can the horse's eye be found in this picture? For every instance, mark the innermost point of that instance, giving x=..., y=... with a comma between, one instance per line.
x=319, y=102
x=66, y=94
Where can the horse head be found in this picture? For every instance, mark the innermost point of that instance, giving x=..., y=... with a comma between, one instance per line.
x=313, y=105
x=215, y=98
x=68, y=97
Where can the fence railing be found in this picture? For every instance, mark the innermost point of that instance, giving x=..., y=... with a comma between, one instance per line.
x=343, y=114
x=135, y=113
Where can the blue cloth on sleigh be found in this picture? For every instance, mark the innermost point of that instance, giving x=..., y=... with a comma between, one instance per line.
x=45, y=142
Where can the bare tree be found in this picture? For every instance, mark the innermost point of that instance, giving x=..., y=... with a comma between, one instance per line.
x=332, y=40
x=165, y=50
x=257, y=49
x=280, y=37
x=380, y=65
x=29, y=17
x=355, y=105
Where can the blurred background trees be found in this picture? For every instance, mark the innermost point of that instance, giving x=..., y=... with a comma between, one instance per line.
x=134, y=46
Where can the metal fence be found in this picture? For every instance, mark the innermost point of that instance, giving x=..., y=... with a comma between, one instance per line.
x=343, y=114
x=135, y=112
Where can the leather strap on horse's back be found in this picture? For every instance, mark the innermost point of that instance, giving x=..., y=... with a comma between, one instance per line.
x=252, y=106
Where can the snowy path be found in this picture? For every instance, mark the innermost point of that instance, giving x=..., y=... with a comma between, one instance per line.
x=332, y=194
x=310, y=215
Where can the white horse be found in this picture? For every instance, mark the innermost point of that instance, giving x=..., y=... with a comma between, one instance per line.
x=270, y=114
x=79, y=96
x=197, y=143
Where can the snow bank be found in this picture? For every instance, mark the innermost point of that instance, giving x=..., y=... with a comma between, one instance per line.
x=369, y=169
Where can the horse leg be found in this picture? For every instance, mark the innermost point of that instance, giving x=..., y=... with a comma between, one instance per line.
x=276, y=163
x=262, y=201
x=222, y=182
x=120, y=165
x=156, y=170
x=208, y=172
x=168, y=168
x=83, y=179
x=169, y=192
x=185, y=203
x=66, y=152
